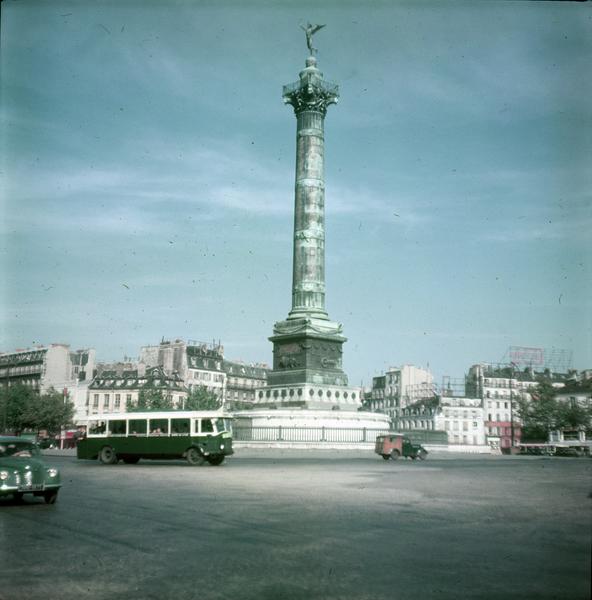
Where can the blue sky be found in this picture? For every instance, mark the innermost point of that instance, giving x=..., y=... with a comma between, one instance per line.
x=148, y=172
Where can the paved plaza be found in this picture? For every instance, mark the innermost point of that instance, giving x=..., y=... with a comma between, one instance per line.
x=305, y=524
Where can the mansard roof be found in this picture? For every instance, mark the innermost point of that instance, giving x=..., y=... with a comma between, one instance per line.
x=154, y=378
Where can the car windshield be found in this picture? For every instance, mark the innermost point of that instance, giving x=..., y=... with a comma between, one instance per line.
x=20, y=449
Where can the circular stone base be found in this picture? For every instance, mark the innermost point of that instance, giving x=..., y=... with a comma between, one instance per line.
x=309, y=427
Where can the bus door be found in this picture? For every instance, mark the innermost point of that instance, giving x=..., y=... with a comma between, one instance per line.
x=137, y=437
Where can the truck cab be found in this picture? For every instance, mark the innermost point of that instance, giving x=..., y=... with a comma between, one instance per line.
x=394, y=445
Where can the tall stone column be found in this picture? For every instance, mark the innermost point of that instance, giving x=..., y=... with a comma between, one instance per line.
x=307, y=345
x=310, y=98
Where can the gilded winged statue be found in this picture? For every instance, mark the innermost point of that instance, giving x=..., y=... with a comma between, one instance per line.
x=310, y=30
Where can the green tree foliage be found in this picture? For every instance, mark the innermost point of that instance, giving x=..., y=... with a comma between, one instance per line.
x=201, y=399
x=544, y=413
x=150, y=399
x=22, y=409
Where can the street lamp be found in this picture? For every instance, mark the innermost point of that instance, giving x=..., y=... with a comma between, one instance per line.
x=512, y=366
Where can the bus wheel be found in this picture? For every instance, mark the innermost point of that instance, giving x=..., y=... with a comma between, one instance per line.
x=385, y=456
x=216, y=459
x=131, y=460
x=107, y=455
x=395, y=454
x=194, y=457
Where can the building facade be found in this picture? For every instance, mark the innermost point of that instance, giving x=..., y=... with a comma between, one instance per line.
x=502, y=387
x=114, y=390
x=398, y=388
x=460, y=417
x=201, y=364
x=576, y=394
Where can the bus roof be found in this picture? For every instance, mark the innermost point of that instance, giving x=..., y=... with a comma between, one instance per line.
x=160, y=414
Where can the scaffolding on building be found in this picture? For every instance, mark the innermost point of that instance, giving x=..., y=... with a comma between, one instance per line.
x=556, y=360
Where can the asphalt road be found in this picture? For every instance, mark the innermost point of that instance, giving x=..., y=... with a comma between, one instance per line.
x=298, y=525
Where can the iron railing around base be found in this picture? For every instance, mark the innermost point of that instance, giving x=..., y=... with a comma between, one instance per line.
x=279, y=433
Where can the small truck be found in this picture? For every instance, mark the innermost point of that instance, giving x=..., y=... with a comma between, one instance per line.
x=394, y=445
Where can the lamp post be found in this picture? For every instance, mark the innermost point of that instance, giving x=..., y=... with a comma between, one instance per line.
x=512, y=366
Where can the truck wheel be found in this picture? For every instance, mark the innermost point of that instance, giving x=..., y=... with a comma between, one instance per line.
x=215, y=459
x=395, y=454
x=107, y=455
x=385, y=456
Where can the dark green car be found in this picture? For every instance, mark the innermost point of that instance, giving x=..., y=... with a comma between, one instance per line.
x=22, y=471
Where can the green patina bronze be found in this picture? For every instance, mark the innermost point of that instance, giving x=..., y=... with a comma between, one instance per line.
x=307, y=346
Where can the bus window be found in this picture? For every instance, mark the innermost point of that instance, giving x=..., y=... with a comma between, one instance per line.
x=207, y=426
x=179, y=426
x=159, y=426
x=117, y=427
x=222, y=425
x=137, y=427
x=96, y=427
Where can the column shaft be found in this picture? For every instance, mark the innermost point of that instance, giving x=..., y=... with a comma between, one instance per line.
x=308, y=277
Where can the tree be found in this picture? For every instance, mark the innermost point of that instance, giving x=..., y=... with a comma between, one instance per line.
x=150, y=399
x=544, y=413
x=572, y=416
x=22, y=408
x=53, y=412
x=201, y=399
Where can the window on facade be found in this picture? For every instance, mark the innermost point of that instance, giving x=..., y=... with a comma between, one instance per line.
x=128, y=397
x=96, y=401
x=117, y=400
x=106, y=401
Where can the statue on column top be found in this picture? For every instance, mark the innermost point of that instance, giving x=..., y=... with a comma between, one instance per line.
x=310, y=30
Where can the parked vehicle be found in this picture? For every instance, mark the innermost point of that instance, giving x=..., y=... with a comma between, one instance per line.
x=569, y=448
x=22, y=471
x=196, y=436
x=395, y=445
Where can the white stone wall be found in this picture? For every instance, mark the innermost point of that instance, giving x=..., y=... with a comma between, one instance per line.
x=213, y=381
x=462, y=419
x=57, y=369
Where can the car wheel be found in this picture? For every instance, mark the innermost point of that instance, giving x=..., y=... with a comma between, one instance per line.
x=107, y=455
x=50, y=497
x=216, y=459
x=395, y=454
x=194, y=457
x=385, y=456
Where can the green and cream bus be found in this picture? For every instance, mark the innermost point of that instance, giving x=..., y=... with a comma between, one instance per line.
x=197, y=436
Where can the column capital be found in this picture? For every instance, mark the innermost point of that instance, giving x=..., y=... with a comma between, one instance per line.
x=311, y=92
